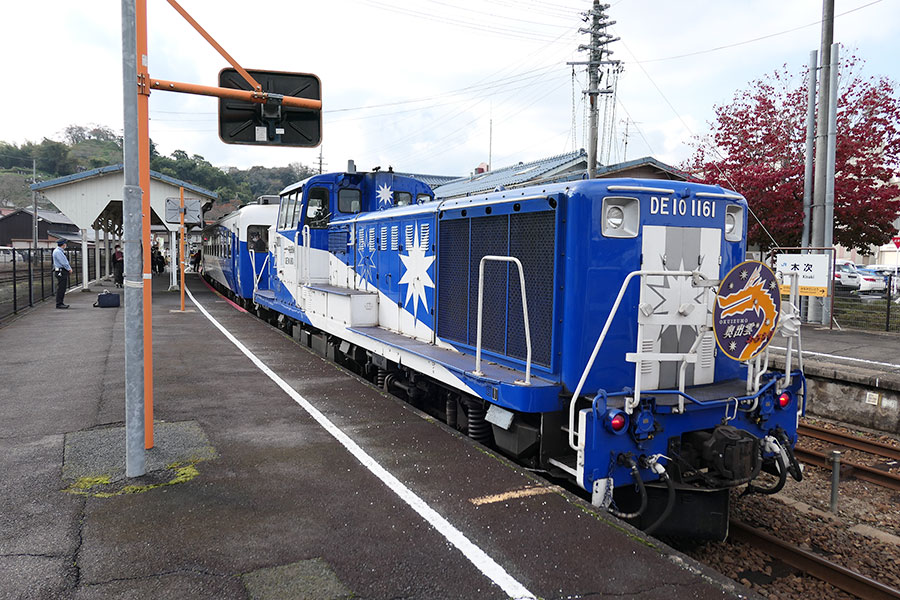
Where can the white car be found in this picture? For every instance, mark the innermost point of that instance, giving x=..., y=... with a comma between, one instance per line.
x=871, y=281
x=845, y=275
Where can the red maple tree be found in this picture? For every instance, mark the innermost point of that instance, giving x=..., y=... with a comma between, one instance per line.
x=757, y=145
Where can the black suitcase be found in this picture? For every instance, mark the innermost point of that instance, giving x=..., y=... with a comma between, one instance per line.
x=107, y=300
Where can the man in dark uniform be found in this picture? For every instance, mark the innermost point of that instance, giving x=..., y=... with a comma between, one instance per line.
x=61, y=270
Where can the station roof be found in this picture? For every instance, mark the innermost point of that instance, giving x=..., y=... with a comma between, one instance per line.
x=67, y=179
x=93, y=199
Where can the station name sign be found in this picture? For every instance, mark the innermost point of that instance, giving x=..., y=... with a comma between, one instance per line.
x=814, y=271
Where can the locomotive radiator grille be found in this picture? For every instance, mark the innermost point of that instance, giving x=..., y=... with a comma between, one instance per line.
x=529, y=237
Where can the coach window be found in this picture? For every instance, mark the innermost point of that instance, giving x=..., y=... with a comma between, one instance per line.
x=317, y=208
x=402, y=198
x=349, y=200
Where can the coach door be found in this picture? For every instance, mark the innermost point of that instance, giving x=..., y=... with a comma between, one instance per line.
x=285, y=242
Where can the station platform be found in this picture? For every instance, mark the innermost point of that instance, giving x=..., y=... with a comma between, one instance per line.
x=309, y=484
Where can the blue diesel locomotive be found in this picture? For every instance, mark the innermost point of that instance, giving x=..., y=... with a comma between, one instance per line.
x=583, y=327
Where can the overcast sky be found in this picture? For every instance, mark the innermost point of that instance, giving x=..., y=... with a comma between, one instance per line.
x=431, y=86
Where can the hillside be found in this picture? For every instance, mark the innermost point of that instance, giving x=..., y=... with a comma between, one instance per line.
x=86, y=148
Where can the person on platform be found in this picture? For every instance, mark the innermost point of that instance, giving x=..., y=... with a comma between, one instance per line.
x=118, y=266
x=61, y=269
x=195, y=260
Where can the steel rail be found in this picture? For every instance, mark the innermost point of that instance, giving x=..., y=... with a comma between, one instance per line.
x=866, y=473
x=840, y=577
x=849, y=441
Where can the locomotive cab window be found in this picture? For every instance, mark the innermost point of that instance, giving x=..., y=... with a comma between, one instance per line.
x=317, y=214
x=349, y=200
x=402, y=198
x=422, y=198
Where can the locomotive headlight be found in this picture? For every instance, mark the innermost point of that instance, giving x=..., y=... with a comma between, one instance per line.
x=734, y=222
x=615, y=217
x=729, y=223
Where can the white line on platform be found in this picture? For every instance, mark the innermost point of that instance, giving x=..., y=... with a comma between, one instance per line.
x=835, y=356
x=476, y=555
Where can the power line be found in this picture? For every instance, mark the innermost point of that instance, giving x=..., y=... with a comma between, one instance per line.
x=750, y=41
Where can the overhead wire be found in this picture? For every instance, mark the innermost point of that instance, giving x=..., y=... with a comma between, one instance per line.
x=691, y=132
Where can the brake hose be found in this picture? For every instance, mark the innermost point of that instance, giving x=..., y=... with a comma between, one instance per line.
x=635, y=474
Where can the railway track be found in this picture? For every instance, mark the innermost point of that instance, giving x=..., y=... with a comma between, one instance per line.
x=874, y=475
x=871, y=474
x=849, y=441
x=840, y=577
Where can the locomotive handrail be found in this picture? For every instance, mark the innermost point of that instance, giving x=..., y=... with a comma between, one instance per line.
x=515, y=260
x=306, y=246
x=257, y=275
x=579, y=445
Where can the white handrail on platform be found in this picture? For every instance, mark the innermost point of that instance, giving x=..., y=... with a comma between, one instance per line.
x=511, y=259
x=579, y=445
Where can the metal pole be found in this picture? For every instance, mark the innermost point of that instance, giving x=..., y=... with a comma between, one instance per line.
x=84, y=260
x=143, y=139
x=97, y=254
x=810, y=141
x=181, y=248
x=173, y=277
x=34, y=229
x=816, y=310
x=593, y=90
x=106, y=248
x=135, y=456
x=30, y=277
x=887, y=318
x=835, y=479
x=15, y=292
x=830, y=157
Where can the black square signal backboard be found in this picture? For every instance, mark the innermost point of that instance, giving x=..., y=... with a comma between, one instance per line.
x=272, y=124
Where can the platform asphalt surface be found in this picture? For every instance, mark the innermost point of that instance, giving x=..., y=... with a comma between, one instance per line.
x=264, y=501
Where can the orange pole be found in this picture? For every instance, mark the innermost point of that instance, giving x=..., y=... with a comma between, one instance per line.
x=215, y=45
x=246, y=95
x=181, y=252
x=144, y=165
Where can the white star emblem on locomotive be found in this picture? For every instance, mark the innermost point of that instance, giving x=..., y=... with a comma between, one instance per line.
x=416, y=277
x=385, y=195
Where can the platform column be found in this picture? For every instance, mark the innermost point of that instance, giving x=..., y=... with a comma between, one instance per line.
x=173, y=262
x=84, y=260
x=97, y=272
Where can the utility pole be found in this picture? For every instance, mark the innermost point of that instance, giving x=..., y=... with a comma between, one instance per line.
x=135, y=457
x=320, y=160
x=816, y=311
x=598, y=57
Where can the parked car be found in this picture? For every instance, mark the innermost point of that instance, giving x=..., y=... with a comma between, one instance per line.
x=7, y=254
x=845, y=275
x=871, y=281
